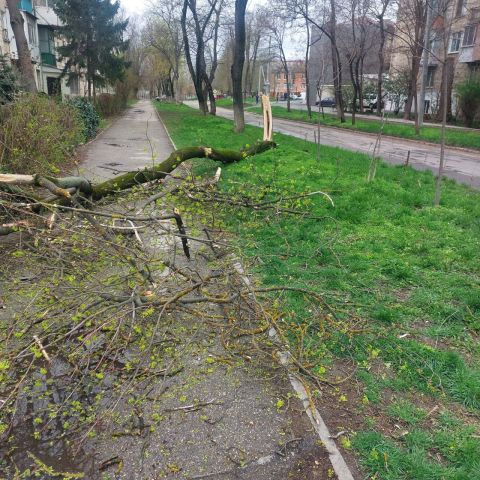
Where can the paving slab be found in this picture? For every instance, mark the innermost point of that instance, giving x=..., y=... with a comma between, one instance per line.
x=137, y=139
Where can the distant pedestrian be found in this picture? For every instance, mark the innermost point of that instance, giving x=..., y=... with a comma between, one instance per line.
x=256, y=99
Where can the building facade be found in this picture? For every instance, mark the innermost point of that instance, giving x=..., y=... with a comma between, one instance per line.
x=40, y=22
x=357, y=43
x=296, y=79
x=459, y=31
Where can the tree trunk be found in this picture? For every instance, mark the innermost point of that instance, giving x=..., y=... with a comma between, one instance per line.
x=132, y=179
x=24, y=57
x=381, y=63
x=237, y=67
x=196, y=76
x=446, y=93
x=336, y=64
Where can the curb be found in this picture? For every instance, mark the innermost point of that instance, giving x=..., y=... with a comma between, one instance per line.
x=161, y=121
x=318, y=424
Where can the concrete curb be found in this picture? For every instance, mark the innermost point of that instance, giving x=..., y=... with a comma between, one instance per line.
x=336, y=458
x=161, y=121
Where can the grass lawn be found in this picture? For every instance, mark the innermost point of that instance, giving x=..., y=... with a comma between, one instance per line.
x=457, y=138
x=402, y=279
x=228, y=103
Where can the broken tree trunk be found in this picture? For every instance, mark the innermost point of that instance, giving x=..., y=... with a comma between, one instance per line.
x=267, y=118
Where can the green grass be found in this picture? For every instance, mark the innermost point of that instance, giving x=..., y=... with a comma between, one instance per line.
x=398, y=266
x=457, y=138
x=228, y=103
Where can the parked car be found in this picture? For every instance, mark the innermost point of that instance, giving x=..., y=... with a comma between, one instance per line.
x=302, y=96
x=327, y=102
x=370, y=102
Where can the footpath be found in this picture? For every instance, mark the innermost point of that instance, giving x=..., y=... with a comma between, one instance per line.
x=220, y=416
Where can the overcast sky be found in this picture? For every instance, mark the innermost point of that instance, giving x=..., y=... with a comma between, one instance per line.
x=293, y=48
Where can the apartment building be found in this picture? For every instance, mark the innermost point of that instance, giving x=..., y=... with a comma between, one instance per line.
x=40, y=22
x=462, y=26
x=296, y=79
x=360, y=49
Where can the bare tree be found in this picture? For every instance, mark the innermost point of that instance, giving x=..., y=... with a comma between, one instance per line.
x=380, y=11
x=200, y=19
x=277, y=26
x=24, y=57
x=165, y=35
x=410, y=29
x=237, y=66
x=255, y=30
x=326, y=22
x=214, y=34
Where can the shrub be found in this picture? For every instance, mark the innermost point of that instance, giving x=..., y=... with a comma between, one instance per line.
x=468, y=96
x=88, y=115
x=109, y=104
x=37, y=135
x=8, y=81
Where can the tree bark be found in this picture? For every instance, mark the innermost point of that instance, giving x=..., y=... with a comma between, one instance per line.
x=137, y=177
x=446, y=93
x=307, y=53
x=336, y=64
x=381, y=60
x=24, y=57
x=237, y=67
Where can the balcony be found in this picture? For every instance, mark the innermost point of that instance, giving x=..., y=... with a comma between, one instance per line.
x=49, y=59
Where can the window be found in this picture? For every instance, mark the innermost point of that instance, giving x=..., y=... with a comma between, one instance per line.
x=431, y=76
x=278, y=76
x=303, y=76
x=303, y=85
x=284, y=85
x=74, y=89
x=31, y=32
x=278, y=86
x=284, y=76
x=455, y=42
x=474, y=70
x=44, y=3
x=3, y=21
x=461, y=7
x=476, y=14
x=469, y=35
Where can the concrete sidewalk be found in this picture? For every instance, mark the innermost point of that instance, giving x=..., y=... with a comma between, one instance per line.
x=218, y=418
x=133, y=141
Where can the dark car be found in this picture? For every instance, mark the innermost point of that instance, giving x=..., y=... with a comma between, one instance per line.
x=327, y=102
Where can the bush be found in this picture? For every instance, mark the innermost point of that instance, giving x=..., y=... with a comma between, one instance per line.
x=88, y=115
x=468, y=96
x=8, y=81
x=37, y=135
x=109, y=104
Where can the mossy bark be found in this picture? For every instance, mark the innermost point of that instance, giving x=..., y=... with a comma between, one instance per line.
x=131, y=179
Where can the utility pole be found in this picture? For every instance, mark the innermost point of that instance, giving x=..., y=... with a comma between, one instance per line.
x=426, y=48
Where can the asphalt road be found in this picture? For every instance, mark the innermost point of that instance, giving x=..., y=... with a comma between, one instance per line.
x=460, y=164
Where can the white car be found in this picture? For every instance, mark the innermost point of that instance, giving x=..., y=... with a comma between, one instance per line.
x=302, y=96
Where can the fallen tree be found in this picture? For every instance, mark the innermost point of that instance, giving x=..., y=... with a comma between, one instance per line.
x=95, y=286
x=138, y=177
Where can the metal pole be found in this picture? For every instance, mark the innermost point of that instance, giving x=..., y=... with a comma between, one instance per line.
x=426, y=48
